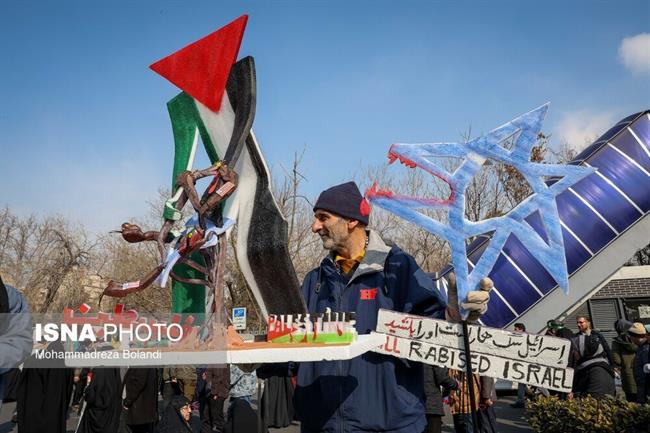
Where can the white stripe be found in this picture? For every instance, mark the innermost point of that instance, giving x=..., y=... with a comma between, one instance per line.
x=505, y=302
x=470, y=263
x=176, y=196
x=522, y=273
x=576, y=238
x=190, y=162
x=617, y=189
x=638, y=140
x=593, y=210
x=626, y=156
x=195, y=142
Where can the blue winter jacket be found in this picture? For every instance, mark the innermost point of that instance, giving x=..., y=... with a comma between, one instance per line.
x=371, y=392
x=15, y=331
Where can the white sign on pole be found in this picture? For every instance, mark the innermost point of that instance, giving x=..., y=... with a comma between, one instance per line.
x=239, y=318
x=533, y=359
x=644, y=311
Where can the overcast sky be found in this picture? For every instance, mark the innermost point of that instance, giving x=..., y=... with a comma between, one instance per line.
x=84, y=127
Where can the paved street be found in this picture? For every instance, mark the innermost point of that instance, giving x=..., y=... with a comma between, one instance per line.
x=509, y=420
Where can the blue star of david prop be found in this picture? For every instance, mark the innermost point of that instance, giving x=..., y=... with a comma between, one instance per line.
x=523, y=133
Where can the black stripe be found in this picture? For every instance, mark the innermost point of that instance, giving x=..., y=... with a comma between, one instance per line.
x=268, y=253
x=267, y=250
x=242, y=94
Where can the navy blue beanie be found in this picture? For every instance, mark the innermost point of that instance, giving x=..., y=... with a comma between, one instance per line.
x=344, y=200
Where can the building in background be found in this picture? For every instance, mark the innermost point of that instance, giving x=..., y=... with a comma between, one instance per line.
x=625, y=295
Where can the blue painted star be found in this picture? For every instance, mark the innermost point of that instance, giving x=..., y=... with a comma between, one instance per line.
x=524, y=132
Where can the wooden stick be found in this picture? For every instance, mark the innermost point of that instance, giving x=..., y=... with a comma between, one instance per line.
x=470, y=377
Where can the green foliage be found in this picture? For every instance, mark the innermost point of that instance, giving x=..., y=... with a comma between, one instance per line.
x=587, y=415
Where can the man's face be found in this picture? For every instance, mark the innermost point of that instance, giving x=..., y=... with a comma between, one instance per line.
x=518, y=330
x=332, y=229
x=583, y=324
x=639, y=341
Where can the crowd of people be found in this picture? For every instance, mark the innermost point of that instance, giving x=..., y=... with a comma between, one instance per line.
x=135, y=400
x=596, y=364
x=371, y=392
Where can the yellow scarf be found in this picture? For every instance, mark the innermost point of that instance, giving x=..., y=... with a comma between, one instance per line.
x=346, y=265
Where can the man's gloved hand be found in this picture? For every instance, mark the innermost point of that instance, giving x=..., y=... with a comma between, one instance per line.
x=476, y=303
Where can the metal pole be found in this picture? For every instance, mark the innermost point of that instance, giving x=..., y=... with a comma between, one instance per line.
x=260, y=418
x=470, y=377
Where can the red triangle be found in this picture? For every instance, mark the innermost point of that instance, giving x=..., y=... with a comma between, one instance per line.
x=201, y=69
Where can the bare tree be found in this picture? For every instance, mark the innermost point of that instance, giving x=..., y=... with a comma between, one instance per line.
x=304, y=247
x=431, y=252
x=564, y=154
x=641, y=257
x=514, y=184
x=41, y=256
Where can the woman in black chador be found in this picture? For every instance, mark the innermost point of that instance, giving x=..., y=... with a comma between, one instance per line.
x=43, y=395
x=176, y=418
x=103, y=402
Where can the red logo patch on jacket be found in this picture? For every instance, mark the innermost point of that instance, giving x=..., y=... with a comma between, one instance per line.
x=368, y=294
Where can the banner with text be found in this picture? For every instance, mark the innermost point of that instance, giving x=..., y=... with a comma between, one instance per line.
x=519, y=357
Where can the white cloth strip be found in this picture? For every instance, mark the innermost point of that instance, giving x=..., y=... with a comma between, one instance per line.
x=172, y=253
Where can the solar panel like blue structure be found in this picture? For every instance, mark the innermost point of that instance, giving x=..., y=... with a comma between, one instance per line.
x=605, y=218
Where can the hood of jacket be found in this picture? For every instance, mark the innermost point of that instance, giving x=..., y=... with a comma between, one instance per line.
x=626, y=344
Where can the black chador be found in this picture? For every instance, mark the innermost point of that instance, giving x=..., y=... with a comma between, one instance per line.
x=43, y=396
x=103, y=402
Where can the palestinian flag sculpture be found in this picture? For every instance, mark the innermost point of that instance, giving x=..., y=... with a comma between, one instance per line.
x=217, y=106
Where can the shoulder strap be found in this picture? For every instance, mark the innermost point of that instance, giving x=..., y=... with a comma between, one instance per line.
x=236, y=382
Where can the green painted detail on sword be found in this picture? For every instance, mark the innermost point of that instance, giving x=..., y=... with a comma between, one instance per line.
x=183, y=114
x=189, y=298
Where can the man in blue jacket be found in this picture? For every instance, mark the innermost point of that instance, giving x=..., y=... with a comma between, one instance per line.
x=372, y=392
x=15, y=331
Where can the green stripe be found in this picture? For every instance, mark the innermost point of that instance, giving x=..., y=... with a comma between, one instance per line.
x=185, y=119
